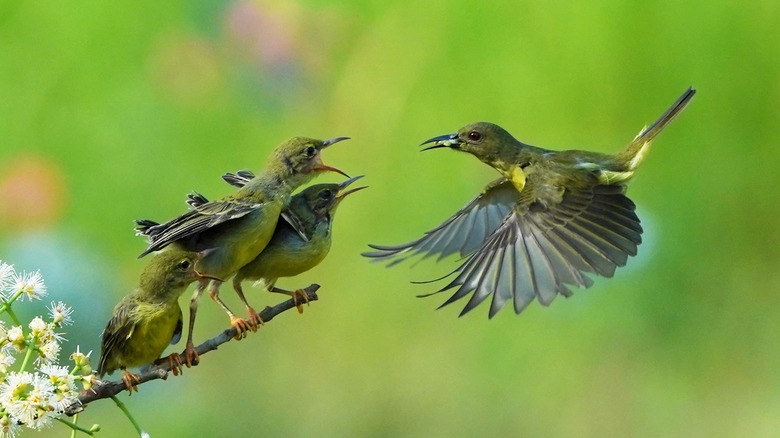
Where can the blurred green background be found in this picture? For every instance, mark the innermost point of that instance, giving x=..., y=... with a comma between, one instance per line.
x=111, y=111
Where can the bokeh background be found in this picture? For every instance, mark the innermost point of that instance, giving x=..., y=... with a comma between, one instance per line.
x=111, y=111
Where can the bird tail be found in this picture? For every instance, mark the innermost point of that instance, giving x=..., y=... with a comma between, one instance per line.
x=635, y=152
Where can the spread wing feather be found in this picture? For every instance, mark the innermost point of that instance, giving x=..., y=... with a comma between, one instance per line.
x=542, y=247
x=463, y=232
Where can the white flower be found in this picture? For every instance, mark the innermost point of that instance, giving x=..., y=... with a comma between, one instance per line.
x=39, y=327
x=16, y=338
x=48, y=352
x=6, y=277
x=26, y=398
x=60, y=313
x=64, y=385
x=8, y=427
x=6, y=360
x=29, y=284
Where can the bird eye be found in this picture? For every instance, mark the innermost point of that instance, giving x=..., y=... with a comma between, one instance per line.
x=326, y=195
x=183, y=265
x=475, y=136
x=310, y=151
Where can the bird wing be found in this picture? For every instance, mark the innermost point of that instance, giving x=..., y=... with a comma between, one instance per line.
x=238, y=179
x=545, y=244
x=201, y=218
x=177, y=331
x=464, y=231
x=119, y=328
x=295, y=222
x=195, y=200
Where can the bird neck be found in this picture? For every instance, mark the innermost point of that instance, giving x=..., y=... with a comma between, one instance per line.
x=512, y=161
x=158, y=291
x=273, y=181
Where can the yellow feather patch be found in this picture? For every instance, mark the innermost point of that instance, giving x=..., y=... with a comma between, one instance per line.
x=517, y=176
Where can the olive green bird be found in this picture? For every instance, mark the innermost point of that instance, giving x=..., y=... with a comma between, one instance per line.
x=550, y=219
x=236, y=228
x=145, y=321
x=301, y=241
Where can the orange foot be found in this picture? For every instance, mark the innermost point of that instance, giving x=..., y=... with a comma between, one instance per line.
x=242, y=326
x=300, y=293
x=254, y=319
x=191, y=356
x=131, y=380
x=174, y=361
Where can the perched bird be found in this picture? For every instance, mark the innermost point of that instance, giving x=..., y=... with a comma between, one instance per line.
x=294, y=249
x=235, y=229
x=145, y=321
x=551, y=218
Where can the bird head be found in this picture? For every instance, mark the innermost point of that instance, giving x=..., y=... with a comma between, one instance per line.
x=486, y=141
x=299, y=160
x=321, y=200
x=169, y=272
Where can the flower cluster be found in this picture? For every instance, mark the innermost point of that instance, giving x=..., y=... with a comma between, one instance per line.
x=34, y=398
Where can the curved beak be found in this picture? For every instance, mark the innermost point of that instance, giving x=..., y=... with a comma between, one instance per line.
x=343, y=194
x=332, y=141
x=322, y=166
x=442, y=141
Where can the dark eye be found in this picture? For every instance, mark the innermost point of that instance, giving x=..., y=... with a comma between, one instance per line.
x=475, y=136
x=326, y=195
x=310, y=151
x=183, y=265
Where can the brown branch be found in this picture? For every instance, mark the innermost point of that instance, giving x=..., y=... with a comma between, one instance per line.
x=105, y=389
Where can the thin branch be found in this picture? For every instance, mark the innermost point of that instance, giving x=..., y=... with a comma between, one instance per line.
x=105, y=389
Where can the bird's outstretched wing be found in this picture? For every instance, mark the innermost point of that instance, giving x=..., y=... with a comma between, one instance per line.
x=541, y=247
x=463, y=232
x=201, y=218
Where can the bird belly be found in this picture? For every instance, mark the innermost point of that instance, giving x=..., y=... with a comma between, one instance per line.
x=287, y=256
x=149, y=338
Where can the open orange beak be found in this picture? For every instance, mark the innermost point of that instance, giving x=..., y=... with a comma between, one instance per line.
x=322, y=167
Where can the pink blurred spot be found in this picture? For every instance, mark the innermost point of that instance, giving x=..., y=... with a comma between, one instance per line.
x=32, y=193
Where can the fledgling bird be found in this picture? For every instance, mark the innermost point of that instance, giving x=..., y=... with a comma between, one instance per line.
x=145, y=321
x=295, y=250
x=551, y=218
x=236, y=228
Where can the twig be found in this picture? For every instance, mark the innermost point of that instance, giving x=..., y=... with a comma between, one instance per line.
x=105, y=389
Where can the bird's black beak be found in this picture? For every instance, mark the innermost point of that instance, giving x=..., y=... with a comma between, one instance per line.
x=442, y=141
x=342, y=193
x=332, y=141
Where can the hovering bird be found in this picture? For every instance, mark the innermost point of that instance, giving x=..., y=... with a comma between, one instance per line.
x=235, y=229
x=550, y=219
x=301, y=241
x=145, y=321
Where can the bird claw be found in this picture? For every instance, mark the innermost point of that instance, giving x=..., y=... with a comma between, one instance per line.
x=300, y=293
x=131, y=381
x=191, y=356
x=254, y=319
x=175, y=362
x=242, y=327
